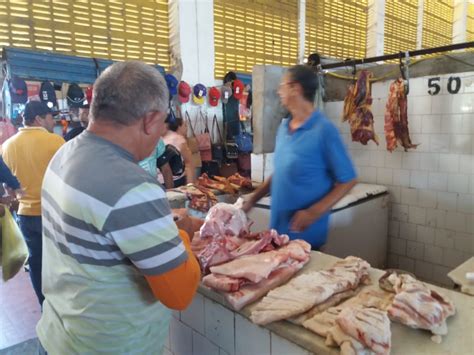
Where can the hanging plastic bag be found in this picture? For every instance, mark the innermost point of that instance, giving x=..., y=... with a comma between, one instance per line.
x=14, y=249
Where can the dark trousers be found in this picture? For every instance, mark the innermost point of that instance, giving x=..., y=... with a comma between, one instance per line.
x=32, y=232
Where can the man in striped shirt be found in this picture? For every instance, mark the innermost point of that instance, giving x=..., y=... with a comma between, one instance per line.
x=114, y=262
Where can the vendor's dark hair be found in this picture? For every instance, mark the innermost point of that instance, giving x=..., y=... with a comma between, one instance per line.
x=174, y=122
x=307, y=78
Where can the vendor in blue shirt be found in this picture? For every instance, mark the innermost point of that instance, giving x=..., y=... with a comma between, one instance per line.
x=312, y=169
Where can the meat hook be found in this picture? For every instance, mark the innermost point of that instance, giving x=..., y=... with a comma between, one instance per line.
x=404, y=71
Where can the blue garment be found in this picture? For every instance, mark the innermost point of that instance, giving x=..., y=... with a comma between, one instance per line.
x=31, y=228
x=308, y=162
x=7, y=177
x=150, y=163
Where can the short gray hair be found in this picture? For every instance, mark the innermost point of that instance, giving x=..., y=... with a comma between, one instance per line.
x=127, y=91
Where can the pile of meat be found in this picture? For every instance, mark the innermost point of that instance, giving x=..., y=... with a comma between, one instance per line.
x=311, y=292
x=417, y=306
x=200, y=198
x=229, y=185
x=357, y=110
x=396, y=118
x=225, y=236
x=247, y=278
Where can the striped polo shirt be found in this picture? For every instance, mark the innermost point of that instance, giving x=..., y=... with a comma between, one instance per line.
x=106, y=223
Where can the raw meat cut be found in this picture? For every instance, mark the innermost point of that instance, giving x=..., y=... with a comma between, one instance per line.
x=322, y=322
x=396, y=118
x=248, y=278
x=332, y=301
x=200, y=198
x=223, y=283
x=252, y=292
x=310, y=289
x=225, y=219
x=417, y=306
x=224, y=186
x=357, y=110
x=257, y=267
x=359, y=330
x=241, y=181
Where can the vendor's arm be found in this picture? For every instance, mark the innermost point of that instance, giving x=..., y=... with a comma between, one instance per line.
x=142, y=226
x=304, y=218
x=341, y=169
x=188, y=162
x=262, y=191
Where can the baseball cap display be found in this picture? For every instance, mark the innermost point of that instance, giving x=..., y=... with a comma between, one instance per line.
x=35, y=108
x=18, y=90
x=48, y=94
x=184, y=90
x=75, y=96
x=214, y=95
x=172, y=83
x=226, y=93
x=199, y=93
x=238, y=87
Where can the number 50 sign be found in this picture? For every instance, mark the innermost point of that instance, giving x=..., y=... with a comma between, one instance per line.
x=454, y=85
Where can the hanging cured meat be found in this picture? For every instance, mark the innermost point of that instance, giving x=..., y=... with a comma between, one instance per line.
x=357, y=110
x=396, y=118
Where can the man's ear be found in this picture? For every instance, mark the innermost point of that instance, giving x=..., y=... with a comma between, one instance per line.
x=149, y=121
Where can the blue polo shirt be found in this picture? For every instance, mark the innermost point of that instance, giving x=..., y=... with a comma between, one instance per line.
x=308, y=162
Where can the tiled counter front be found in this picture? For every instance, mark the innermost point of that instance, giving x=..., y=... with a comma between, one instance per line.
x=208, y=328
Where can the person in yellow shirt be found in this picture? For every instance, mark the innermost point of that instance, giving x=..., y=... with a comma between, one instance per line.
x=28, y=154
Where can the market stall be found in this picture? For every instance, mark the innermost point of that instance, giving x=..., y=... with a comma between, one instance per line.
x=210, y=326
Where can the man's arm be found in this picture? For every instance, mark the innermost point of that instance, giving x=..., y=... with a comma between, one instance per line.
x=167, y=175
x=304, y=218
x=151, y=241
x=176, y=288
x=261, y=191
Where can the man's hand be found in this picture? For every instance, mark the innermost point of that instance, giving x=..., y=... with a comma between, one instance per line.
x=184, y=222
x=303, y=219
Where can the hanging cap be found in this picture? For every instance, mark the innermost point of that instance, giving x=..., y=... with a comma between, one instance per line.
x=75, y=96
x=48, y=94
x=214, y=95
x=199, y=92
x=226, y=93
x=18, y=90
x=184, y=90
x=238, y=87
x=172, y=84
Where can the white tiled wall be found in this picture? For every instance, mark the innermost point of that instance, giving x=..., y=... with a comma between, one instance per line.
x=207, y=328
x=432, y=187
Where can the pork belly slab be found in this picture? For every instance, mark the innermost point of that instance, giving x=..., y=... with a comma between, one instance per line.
x=308, y=290
x=361, y=331
x=417, y=306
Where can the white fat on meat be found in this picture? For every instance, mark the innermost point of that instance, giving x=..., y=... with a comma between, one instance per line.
x=225, y=219
x=321, y=323
x=310, y=289
x=417, y=306
x=257, y=267
x=361, y=331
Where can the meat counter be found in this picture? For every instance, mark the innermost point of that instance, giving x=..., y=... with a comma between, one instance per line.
x=358, y=224
x=209, y=326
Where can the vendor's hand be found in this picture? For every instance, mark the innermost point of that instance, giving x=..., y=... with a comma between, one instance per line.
x=303, y=219
x=248, y=205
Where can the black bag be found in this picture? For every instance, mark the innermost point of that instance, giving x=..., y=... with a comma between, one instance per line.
x=210, y=167
x=217, y=145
